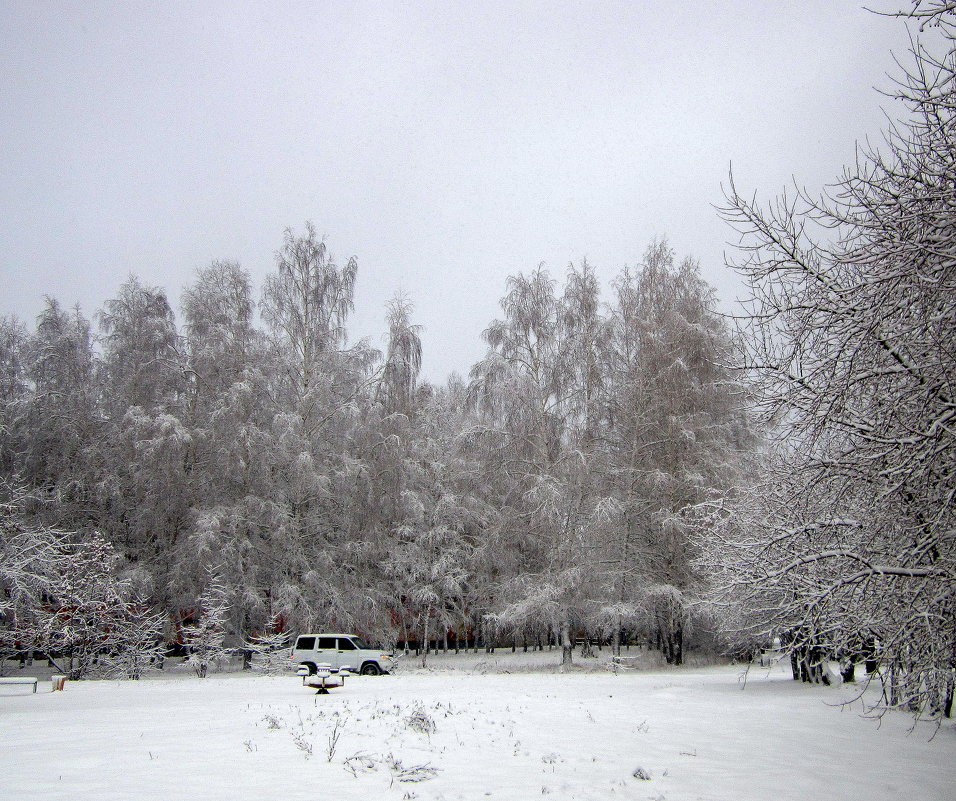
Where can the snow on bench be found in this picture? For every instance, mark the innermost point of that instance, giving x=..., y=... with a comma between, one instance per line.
x=20, y=680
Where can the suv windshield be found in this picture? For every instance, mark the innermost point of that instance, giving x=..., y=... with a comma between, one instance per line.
x=360, y=643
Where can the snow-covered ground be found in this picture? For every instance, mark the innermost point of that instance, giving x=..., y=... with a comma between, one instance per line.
x=468, y=727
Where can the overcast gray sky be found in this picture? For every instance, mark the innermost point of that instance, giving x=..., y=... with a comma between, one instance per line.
x=447, y=145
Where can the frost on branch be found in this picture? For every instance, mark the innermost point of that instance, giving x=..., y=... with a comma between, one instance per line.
x=205, y=637
x=61, y=596
x=269, y=652
x=849, y=544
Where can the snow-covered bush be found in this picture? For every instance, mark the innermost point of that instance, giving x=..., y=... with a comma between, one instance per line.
x=269, y=653
x=61, y=595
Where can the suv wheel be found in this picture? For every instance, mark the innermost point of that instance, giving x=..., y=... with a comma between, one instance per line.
x=311, y=667
x=370, y=669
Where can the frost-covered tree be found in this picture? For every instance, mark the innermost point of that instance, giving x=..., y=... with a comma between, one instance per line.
x=205, y=637
x=62, y=595
x=327, y=487
x=135, y=641
x=403, y=359
x=145, y=486
x=675, y=431
x=61, y=423
x=318, y=387
x=585, y=352
x=517, y=390
x=13, y=389
x=268, y=652
x=306, y=303
x=432, y=545
x=13, y=338
x=229, y=418
x=147, y=453
x=141, y=350
x=595, y=429
x=534, y=393
x=218, y=324
x=849, y=339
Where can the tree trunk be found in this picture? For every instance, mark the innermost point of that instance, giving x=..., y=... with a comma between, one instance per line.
x=566, y=645
x=849, y=672
x=948, y=699
x=425, y=635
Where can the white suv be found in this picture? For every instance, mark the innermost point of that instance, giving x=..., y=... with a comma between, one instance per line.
x=340, y=650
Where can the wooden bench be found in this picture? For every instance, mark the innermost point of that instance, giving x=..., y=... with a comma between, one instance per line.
x=20, y=680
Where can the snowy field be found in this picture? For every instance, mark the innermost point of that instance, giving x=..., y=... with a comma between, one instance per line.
x=467, y=727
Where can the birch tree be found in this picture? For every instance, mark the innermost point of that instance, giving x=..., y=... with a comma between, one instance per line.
x=320, y=387
x=675, y=432
x=146, y=458
x=218, y=325
x=529, y=396
x=306, y=302
x=61, y=416
x=141, y=354
x=230, y=415
x=403, y=359
x=432, y=561
x=13, y=388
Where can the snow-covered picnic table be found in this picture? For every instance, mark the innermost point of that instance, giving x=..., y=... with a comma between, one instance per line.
x=324, y=679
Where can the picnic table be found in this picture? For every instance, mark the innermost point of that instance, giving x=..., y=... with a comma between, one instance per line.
x=617, y=662
x=324, y=679
x=625, y=661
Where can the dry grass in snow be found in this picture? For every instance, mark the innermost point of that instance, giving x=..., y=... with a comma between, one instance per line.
x=473, y=732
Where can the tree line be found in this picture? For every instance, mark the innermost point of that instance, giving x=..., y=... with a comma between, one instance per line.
x=321, y=485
